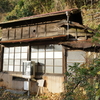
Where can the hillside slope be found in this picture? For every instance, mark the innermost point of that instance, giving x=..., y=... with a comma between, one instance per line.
x=15, y=9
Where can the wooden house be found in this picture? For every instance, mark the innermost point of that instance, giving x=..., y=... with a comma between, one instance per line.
x=53, y=41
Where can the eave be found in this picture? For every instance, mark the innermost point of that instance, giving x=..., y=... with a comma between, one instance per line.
x=35, y=18
x=80, y=44
x=32, y=39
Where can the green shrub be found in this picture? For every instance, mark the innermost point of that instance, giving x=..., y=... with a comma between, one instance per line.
x=83, y=81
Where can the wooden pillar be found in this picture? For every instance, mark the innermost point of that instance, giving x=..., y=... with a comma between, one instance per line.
x=65, y=64
x=29, y=52
x=64, y=59
x=1, y=60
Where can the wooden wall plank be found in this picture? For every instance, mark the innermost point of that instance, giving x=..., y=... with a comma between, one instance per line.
x=18, y=33
x=52, y=33
x=52, y=30
x=11, y=34
x=41, y=34
x=61, y=31
x=25, y=33
x=33, y=31
x=5, y=34
x=41, y=30
x=51, y=27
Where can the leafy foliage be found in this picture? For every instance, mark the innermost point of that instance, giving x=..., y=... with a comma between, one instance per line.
x=96, y=37
x=30, y=7
x=23, y=8
x=83, y=82
x=6, y=5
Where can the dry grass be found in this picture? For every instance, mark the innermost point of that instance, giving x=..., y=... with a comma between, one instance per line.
x=11, y=96
x=90, y=17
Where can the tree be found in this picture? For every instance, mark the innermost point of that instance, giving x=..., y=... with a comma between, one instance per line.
x=96, y=37
x=6, y=6
x=22, y=9
x=30, y=7
x=83, y=83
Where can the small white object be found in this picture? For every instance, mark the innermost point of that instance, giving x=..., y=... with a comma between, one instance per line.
x=67, y=13
x=40, y=82
x=26, y=85
x=27, y=76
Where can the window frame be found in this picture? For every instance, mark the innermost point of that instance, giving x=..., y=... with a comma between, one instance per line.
x=29, y=54
x=46, y=58
x=13, y=59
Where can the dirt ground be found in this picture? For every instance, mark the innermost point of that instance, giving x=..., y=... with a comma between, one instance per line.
x=5, y=95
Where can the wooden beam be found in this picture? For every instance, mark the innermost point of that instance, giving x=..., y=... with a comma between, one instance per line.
x=34, y=39
x=1, y=60
x=80, y=44
x=75, y=24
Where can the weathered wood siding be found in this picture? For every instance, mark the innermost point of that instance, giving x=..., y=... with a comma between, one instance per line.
x=11, y=34
x=77, y=33
x=42, y=30
x=18, y=33
x=5, y=34
x=25, y=32
x=33, y=31
x=52, y=29
x=38, y=30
